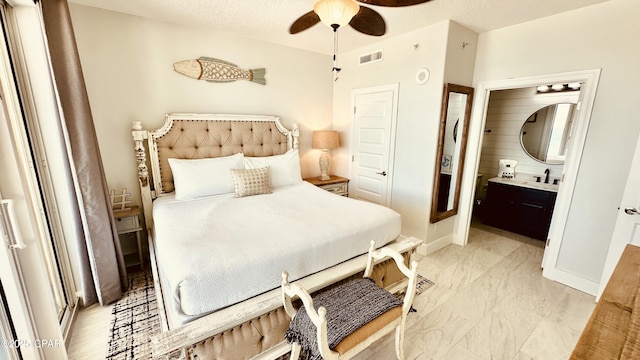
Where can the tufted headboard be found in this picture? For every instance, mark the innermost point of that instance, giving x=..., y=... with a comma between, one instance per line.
x=197, y=136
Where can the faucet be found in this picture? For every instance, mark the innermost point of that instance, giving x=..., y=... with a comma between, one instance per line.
x=546, y=176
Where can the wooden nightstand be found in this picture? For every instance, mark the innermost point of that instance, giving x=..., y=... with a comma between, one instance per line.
x=128, y=226
x=336, y=184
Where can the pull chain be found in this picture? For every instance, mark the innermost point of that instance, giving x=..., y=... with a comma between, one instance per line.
x=335, y=69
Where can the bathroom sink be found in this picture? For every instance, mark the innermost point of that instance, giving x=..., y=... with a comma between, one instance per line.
x=526, y=183
x=515, y=181
x=542, y=185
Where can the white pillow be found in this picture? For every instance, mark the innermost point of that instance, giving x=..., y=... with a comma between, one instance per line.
x=285, y=168
x=194, y=178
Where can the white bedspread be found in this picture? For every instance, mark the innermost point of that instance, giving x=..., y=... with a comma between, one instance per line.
x=216, y=251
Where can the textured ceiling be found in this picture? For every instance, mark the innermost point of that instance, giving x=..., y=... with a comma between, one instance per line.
x=269, y=20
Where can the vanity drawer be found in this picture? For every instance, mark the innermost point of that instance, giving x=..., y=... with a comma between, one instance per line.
x=536, y=196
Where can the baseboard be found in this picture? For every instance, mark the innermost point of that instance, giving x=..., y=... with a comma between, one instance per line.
x=579, y=283
x=430, y=248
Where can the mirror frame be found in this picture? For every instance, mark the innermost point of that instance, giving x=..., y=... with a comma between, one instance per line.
x=462, y=133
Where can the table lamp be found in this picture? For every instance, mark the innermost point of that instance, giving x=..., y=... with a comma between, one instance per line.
x=324, y=140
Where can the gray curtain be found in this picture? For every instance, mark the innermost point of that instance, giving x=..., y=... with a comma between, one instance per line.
x=104, y=256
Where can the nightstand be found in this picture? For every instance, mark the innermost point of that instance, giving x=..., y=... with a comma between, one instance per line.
x=128, y=226
x=336, y=184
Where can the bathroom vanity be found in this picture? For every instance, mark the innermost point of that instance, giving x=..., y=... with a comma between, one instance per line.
x=520, y=206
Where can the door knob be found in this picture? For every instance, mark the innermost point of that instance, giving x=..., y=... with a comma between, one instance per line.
x=384, y=173
x=631, y=211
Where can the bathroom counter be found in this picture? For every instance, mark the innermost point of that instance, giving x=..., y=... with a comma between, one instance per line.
x=526, y=184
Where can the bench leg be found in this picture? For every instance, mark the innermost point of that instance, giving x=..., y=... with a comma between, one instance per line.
x=400, y=342
x=295, y=351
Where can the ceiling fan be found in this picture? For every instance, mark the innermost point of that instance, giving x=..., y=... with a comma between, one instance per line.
x=337, y=13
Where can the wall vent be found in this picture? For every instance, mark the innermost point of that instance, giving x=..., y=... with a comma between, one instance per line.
x=371, y=57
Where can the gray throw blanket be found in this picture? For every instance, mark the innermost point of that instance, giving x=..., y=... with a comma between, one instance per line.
x=349, y=306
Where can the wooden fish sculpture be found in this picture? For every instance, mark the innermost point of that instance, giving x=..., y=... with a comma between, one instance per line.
x=216, y=70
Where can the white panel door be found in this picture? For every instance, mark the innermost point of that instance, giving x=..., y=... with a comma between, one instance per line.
x=374, y=135
x=627, y=229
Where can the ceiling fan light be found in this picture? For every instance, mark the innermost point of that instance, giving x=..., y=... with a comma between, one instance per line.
x=336, y=12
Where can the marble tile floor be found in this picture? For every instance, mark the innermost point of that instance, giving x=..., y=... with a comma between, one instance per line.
x=490, y=301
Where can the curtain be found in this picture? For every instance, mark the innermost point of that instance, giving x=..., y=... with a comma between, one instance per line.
x=104, y=256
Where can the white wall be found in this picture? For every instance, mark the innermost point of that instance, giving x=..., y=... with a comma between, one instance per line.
x=597, y=36
x=418, y=111
x=127, y=63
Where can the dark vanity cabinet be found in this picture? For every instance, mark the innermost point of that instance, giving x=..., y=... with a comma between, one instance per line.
x=519, y=209
x=443, y=192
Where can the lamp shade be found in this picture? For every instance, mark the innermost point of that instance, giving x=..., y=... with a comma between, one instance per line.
x=325, y=139
x=336, y=12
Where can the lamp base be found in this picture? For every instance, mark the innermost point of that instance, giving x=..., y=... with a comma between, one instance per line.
x=324, y=165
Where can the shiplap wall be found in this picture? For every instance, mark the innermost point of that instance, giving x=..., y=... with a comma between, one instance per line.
x=507, y=111
x=455, y=115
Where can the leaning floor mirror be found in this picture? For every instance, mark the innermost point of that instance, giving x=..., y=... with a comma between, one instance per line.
x=452, y=145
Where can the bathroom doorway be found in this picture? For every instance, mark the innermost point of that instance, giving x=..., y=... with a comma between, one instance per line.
x=527, y=134
x=588, y=81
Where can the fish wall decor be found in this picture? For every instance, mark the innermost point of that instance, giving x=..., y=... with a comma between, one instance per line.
x=216, y=70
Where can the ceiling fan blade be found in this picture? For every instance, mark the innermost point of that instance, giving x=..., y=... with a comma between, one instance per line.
x=369, y=22
x=304, y=22
x=393, y=3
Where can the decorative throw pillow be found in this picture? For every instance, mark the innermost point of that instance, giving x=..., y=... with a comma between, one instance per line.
x=249, y=182
x=285, y=168
x=194, y=178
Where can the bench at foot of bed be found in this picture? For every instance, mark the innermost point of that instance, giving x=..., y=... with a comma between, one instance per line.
x=254, y=329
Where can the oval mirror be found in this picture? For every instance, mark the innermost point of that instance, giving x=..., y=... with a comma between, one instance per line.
x=545, y=134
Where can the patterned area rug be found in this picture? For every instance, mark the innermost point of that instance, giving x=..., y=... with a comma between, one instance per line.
x=134, y=320
x=423, y=284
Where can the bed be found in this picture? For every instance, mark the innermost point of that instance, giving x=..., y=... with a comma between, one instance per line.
x=218, y=243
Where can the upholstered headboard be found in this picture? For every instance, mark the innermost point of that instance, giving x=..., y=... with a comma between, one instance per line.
x=197, y=136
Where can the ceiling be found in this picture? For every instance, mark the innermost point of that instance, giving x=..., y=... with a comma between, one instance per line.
x=269, y=20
